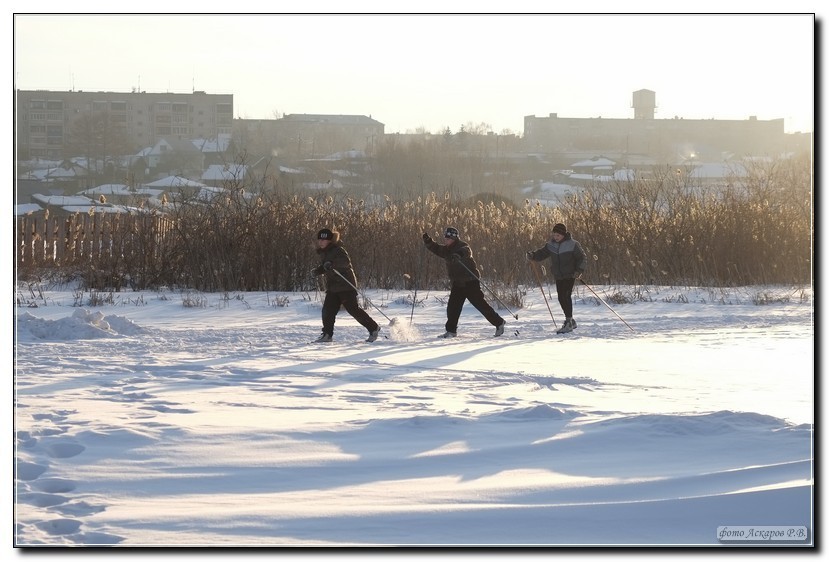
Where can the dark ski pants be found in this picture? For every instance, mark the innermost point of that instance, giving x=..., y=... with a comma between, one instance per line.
x=564, y=288
x=348, y=300
x=471, y=292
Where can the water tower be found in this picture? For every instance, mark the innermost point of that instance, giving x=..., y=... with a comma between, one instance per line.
x=644, y=104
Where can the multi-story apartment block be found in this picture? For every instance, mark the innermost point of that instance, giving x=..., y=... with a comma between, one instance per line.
x=45, y=118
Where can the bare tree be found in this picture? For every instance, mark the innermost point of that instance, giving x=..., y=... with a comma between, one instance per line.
x=98, y=138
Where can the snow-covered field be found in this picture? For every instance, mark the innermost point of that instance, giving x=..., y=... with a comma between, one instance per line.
x=145, y=422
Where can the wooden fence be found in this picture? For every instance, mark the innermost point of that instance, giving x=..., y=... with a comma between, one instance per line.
x=84, y=238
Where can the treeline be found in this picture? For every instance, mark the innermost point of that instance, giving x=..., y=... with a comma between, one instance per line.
x=664, y=229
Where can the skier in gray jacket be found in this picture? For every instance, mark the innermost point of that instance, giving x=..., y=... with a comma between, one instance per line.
x=568, y=264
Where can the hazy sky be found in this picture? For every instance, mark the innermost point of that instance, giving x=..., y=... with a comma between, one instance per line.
x=437, y=71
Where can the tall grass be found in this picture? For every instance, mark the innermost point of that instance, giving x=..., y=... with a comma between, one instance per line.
x=668, y=229
x=661, y=229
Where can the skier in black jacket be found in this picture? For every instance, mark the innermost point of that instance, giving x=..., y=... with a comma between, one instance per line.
x=339, y=289
x=465, y=280
x=568, y=262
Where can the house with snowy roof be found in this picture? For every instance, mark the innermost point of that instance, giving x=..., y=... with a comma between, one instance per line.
x=214, y=150
x=597, y=166
x=122, y=194
x=70, y=204
x=27, y=209
x=217, y=175
x=175, y=155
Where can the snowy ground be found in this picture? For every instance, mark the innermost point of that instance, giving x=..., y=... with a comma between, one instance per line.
x=146, y=422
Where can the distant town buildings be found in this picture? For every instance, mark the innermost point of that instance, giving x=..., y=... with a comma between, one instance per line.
x=304, y=136
x=648, y=140
x=57, y=125
x=69, y=141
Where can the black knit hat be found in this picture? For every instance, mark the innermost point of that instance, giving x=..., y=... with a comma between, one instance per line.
x=451, y=232
x=325, y=234
x=560, y=228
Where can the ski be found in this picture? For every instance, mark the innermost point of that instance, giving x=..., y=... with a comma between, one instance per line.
x=381, y=337
x=515, y=333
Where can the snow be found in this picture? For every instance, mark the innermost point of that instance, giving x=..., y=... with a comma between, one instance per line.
x=145, y=422
x=719, y=170
x=219, y=144
x=549, y=192
x=64, y=200
x=594, y=163
x=49, y=174
x=104, y=209
x=107, y=189
x=224, y=172
x=174, y=181
x=287, y=170
x=26, y=209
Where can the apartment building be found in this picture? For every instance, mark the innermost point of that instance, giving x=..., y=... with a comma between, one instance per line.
x=44, y=119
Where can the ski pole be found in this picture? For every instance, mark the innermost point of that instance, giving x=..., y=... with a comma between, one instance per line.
x=541, y=286
x=604, y=303
x=514, y=315
x=363, y=294
x=414, y=298
x=414, y=302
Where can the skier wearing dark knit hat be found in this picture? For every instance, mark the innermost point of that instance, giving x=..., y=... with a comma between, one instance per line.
x=340, y=286
x=465, y=281
x=568, y=263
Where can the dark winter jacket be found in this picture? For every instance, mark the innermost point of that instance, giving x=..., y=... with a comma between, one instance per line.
x=341, y=262
x=457, y=255
x=567, y=257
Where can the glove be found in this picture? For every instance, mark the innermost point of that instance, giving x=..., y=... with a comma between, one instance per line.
x=327, y=266
x=426, y=238
x=529, y=256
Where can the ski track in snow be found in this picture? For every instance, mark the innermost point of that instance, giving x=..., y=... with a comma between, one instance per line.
x=342, y=399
